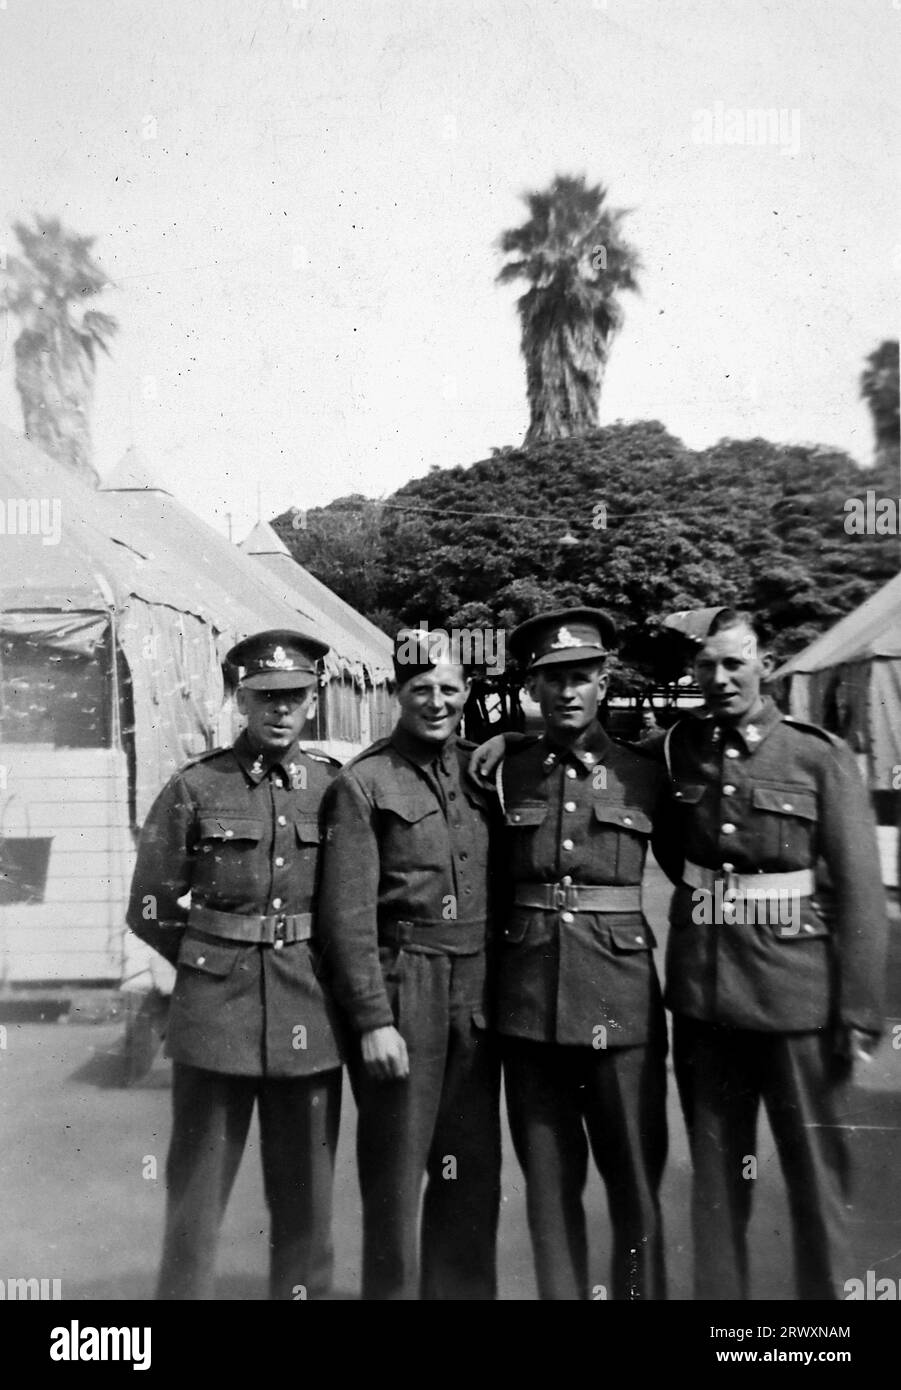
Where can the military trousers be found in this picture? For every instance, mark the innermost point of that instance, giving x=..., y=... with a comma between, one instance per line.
x=441, y=1125
x=562, y=1099
x=723, y=1074
x=211, y=1113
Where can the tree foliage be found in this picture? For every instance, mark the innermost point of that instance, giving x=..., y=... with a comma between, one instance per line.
x=47, y=289
x=574, y=257
x=659, y=527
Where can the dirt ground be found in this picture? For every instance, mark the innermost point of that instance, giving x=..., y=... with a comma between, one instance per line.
x=82, y=1161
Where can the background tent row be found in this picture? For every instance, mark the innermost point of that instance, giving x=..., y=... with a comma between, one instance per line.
x=113, y=629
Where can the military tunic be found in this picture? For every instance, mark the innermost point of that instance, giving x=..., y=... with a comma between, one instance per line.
x=404, y=918
x=249, y=1020
x=757, y=995
x=579, y=1004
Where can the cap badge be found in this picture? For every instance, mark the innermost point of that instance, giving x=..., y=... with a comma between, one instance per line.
x=563, y=640
x=279, y=661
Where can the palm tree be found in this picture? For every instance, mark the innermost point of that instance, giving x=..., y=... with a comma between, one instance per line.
x=47, y=288
x=577, y=263
x=879, y=388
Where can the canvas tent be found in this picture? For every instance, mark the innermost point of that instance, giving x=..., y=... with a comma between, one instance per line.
x=849, y=681
x=116, y=609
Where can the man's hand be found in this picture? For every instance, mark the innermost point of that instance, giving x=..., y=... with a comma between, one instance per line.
x=484, y=761
x=384, y=1054
x=854, y=1047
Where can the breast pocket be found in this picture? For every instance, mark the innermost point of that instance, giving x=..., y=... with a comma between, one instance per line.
x=412, y=824
x=227, y=854
x=528, y=859
x=621, y=833
x=785, y=824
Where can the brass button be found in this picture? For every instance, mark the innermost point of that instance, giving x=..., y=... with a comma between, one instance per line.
x=567, y=844
x=566, y=880
x=229, y=834
x=786, y=805
x=201, y=960
x=279, y=944
x=627, y=820
x=276, y=902
x=569, y=805
x=571, y=772
x=728, y=828
x=640, y=940
x=282, y=820
x=567, y=917
x=728, y=789
x=732, y=753
x=279, y=863
x=728, y=868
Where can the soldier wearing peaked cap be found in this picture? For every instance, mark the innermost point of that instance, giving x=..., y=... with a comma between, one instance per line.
x=578, y=1001
x=773, y=987
x=239, y=831
x=405, y=916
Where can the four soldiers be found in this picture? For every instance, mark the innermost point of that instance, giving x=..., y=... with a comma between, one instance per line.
x=239, y=831
x=745, y=806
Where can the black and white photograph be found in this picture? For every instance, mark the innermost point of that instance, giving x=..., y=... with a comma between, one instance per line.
x=450, y=662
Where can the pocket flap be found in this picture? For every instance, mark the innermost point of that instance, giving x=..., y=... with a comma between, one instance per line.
x=410, y=806
x=230, y=828
x=626, y=817
x=785, y=801
x=804, y=926
x=307, y=828
x=633, y=938
x=690, y=792
x=209, y=957
x=526, y=815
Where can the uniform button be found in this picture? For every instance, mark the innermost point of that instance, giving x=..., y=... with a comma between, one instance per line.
x=728, y=828
x=569, y=805
x=516, y=816
x=276, y=902
x=283, y=820
x=566, y=880
x=201, y=960
x=229, y=834
x=567, y=917
x=786, y=805
x=567, y=844
x=808, y=927
x=279, y=863
x=728, y=789
x=571, y=772
x=731, y=752
x=728, y=868
x=464, y=856
x=640, y=940
x=278, y=944
x=627, y=820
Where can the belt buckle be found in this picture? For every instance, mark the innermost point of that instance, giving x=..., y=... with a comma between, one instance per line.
x=563, y=896
x=278, y=934
x=730, y=897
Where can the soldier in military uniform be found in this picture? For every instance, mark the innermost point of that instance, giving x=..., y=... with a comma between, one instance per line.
x=773, y=990
x=578, y=1001
x=238, y=829
x=404, y=919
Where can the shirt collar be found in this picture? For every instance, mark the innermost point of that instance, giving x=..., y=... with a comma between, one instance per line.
x=589, y=749
x=257, y=765
x=748, y=736
x=419, y=751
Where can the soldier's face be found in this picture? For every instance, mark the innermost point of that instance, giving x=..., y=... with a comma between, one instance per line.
x=431, y=705
x=729, y=669
x=276, y=717
x=568, y=695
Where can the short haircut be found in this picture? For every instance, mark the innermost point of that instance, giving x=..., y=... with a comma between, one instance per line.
x=742, y=617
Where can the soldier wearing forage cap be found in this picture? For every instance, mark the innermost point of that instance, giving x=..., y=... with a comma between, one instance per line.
x=773, y=987
x=578, y=1001
x=404, y=917
x=239, y=830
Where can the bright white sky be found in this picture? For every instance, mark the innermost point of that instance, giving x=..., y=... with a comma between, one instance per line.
x=304, y=254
